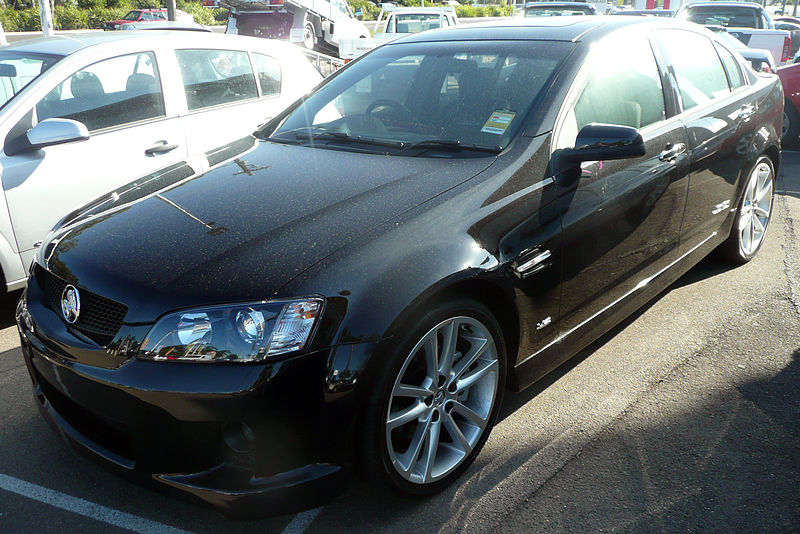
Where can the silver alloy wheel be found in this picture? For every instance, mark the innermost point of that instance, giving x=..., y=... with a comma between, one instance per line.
x=756, y=208
x=441, y=400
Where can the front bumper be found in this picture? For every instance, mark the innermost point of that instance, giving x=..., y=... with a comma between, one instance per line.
x=250, y=440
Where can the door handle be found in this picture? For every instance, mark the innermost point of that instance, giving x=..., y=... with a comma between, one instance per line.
x=746, y=112
x=161, y=147
x=672, y=152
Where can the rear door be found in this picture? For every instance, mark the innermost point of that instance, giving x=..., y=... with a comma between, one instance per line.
x=716, y=106
x=236, y=91
x=121, y=102
x=622, y=223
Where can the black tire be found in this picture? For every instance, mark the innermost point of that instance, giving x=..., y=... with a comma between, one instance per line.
x=376, y=462
x=791, y=125
x=734, y=248
x=309, y=37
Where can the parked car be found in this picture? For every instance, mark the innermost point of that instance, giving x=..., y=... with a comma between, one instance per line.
x=138, y=101
x=136, y=15
x=558, y=9
x=794, y=31
x=746, y=21
x=790, y=79
x=457, y=212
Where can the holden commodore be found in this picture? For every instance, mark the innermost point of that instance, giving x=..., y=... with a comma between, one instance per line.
x=456, y=213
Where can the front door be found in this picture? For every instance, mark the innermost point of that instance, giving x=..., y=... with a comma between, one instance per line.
x=120, y=100
x=622, y=222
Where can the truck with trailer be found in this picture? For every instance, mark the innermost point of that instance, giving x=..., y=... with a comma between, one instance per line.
x=316, y=24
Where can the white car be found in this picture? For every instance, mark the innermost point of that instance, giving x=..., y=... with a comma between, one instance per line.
x=81, y=116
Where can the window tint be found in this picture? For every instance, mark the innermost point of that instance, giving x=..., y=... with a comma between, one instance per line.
x=269, y=74
x=110, y=93
x=214, y=77
x=624, y=88
x=698, y=70
x=724, y=15
x=731, y=67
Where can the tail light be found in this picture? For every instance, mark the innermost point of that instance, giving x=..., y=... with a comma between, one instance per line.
x=787, y=49
x=276, y=2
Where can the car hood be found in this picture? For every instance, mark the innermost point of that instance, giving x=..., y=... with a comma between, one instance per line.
x=243, y=229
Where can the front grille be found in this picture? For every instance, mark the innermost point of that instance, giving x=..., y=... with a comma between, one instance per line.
x=100, y=318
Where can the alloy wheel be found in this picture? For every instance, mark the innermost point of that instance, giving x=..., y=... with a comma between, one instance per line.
x=442, y=399
x=756, y=208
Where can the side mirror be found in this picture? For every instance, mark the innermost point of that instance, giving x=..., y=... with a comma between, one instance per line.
x=599, y=142
x=49, y=132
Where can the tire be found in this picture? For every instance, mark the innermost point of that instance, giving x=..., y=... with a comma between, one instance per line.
x=455, y=414
x=752, y=215
x=309, y=36
x=791, y=125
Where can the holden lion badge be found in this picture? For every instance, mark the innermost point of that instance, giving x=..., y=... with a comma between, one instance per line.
x=70, y=304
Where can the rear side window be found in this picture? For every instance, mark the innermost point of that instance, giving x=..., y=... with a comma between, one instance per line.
x=269, y=74
x=623, y=88
x=735, y=75
x=110, y=93
x=722, y=15
x=697, y=67
x=215, y=77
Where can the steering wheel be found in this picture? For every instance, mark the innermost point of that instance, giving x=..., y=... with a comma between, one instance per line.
x=406, y=113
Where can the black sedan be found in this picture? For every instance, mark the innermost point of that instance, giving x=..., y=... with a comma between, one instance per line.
x=456, y=213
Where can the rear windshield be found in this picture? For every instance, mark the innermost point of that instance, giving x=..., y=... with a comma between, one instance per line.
x=728, y=16
x=18, y=69
x=468, y=96
x=557, y=11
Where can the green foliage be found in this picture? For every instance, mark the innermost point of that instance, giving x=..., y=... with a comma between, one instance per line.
x=202, y=15
x=91, y=4
x=369, y=11
x=70, y=18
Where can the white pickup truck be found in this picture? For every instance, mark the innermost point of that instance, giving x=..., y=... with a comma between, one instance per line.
x=746, y=21
x=394, y=22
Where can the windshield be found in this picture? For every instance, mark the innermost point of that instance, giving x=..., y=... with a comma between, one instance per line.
x=450, y=99
x=557, y=11
x=18, y=69
x=728, y=16
x=131, y=15
x=415, y=22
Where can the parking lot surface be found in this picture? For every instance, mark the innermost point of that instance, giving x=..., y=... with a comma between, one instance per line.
x=685, y=417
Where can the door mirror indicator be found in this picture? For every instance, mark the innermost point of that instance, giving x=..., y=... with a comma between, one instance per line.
x=49, y=132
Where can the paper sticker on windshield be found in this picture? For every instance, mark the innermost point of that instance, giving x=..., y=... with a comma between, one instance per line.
x=499, y=122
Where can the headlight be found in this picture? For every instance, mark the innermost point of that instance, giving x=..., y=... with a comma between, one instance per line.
x=233, y=333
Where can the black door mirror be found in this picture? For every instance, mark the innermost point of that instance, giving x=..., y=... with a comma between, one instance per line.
x=599, y=142
x=596, y=142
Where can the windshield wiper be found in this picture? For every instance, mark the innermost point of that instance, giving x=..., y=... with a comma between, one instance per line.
x=451, y=144
x=342, y=137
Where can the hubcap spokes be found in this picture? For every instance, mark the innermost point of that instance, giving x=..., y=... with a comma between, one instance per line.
x=441, y=400
x=756, y=208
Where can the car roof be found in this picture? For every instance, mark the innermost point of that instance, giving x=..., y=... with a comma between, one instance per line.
x=543, y=29
x=66, y=45
x=723, y=4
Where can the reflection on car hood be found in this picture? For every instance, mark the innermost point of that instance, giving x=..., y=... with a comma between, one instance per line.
x=242, y=230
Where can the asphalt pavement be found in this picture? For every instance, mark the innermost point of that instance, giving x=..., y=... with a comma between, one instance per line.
x=684, y=418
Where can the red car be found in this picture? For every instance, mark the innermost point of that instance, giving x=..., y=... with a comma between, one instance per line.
x=137, y=15
x=790, y=79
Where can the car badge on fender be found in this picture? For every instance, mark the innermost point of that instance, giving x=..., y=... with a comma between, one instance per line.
x=70, y=304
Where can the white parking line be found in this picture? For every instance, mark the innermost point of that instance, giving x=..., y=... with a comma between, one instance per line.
x=301, y=522
x=85, y=508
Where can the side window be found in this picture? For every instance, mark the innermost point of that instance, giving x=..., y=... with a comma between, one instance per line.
x=160, y=15
x=269, y=74
x=623, y=88
x=110, y=93
x=215, y=77
x=735, y=75
x=698, y=69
